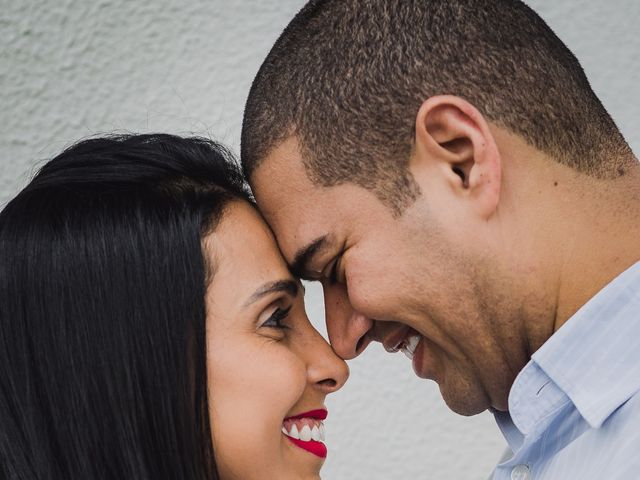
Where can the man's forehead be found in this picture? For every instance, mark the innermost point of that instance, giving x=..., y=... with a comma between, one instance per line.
x=280, y=175
x=285, y=155
x=289, y=202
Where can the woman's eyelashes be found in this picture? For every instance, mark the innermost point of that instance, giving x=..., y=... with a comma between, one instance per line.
x=277, y=317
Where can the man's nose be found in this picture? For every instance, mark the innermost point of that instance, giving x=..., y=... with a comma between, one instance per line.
x=346, y=327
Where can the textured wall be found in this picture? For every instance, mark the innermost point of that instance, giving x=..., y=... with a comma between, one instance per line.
x=72, y=68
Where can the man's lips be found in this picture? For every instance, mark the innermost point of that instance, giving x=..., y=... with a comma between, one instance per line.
x=394, y=339
x=421, y=367
x=402, y=338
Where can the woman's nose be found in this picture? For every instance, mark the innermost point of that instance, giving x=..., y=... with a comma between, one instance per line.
x=325, y=370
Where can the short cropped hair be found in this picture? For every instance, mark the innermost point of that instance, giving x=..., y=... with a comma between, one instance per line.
x=347, y=78
x=102, y=311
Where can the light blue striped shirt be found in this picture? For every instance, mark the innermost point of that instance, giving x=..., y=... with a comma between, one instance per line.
x=574, y=410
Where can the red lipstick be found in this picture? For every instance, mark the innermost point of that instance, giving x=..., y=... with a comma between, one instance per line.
x=320, y=414
x=319, y=449
x=296, y=429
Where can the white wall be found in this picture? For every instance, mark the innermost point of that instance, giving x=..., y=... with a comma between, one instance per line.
x=72, y=68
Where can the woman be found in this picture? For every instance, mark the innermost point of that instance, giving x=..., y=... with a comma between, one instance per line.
x=149, y=328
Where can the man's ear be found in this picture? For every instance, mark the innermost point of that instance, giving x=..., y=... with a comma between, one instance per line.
x=453, y=136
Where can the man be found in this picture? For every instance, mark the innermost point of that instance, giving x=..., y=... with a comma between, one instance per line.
x=447, y=173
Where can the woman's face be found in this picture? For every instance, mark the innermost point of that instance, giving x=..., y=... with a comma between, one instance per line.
x=269, y=370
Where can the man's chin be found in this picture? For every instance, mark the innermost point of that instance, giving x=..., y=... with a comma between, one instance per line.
x=466, y=402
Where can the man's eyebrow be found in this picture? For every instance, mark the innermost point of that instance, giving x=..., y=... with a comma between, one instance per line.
x=303, y=256
x=287, y=286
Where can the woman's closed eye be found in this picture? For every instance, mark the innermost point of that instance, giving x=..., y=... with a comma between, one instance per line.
x=277, y=318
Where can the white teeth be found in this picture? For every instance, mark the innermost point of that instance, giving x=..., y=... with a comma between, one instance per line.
x=305, y=433
x=410, y=344
x=294, y=432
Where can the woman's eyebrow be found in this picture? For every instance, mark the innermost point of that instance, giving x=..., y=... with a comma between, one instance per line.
x=287, y=286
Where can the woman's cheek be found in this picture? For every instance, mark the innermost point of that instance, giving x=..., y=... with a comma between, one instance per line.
x=265, y=372
x=284, y=378
x=250, y=395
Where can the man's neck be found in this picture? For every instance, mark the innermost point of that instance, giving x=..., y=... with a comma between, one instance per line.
x=602, y=239
x=570, y=233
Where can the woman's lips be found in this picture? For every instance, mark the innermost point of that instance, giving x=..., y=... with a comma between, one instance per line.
x=318, y=449
x=320, y=414
x=306, y=430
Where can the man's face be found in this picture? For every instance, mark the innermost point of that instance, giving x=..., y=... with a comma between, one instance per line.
x=389, y=278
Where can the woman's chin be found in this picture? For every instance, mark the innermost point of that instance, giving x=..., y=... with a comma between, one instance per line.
x=300, y=462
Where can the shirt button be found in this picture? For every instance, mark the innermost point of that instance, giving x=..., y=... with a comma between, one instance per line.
x=520, y=472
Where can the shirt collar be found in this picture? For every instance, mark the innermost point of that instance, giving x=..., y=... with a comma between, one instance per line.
x=594, y=358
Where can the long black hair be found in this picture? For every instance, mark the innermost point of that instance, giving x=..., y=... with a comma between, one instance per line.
x=102, y=313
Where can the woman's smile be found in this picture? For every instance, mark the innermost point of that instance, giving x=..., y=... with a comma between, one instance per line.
x=306, y=430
